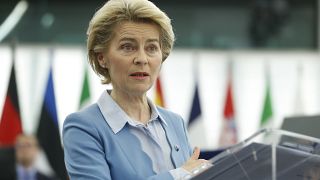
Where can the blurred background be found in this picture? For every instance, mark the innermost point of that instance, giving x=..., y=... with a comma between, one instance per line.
x=237, y=66
x=277, y=24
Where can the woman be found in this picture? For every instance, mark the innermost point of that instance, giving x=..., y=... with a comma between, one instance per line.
x=124, y=135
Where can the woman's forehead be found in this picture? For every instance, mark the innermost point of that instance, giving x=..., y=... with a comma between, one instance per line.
x=130, y=29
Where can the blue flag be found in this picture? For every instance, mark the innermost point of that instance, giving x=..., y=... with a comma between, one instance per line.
x=48, y=131
x=195, y=111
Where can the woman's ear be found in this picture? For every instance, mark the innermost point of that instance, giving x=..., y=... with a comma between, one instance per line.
x=101, y=59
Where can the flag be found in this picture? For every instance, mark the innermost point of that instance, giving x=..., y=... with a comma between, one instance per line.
x=267, y=112
x=48, y=131
x=196, y=126
x=195, y=112
x=85, y=93
x=228, y=134
x=159, y=100
x=10, y=123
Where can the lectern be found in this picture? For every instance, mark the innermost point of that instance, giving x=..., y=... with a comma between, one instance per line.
x=267, y=155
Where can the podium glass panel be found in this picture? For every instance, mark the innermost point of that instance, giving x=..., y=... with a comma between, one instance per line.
x=266, y=155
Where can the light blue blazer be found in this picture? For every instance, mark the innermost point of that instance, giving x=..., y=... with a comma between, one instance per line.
x=93, y=151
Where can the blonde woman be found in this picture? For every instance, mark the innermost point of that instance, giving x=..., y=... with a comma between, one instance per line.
x=124, y=135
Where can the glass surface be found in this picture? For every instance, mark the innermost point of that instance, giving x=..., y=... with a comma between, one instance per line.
x=268, y=154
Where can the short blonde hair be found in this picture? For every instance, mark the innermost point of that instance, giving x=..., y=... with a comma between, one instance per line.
x=101, y=26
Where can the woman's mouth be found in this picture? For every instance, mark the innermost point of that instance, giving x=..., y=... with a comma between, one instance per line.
x=139, y=75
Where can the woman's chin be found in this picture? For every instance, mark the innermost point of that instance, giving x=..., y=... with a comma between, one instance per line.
x=139, y=90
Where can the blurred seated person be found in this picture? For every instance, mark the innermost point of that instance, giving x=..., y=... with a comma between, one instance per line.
x=27, y=150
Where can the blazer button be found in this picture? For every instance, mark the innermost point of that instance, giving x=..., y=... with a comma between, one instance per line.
x=176, y=147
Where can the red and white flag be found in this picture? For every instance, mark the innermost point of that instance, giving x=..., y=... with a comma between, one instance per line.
x=228, y=134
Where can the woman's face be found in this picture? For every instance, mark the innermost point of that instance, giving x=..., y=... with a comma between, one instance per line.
x=134, y=57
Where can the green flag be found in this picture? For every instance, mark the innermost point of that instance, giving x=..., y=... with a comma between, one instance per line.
x=267, y=112
x=85, y=93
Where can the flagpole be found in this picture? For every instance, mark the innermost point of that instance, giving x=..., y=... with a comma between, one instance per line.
x=298, y=106
x=230, y=68
x=196, y=66
x=195, y=91
x=34, y=97
x=13, y=45
x=51, y=56
x=267, y=111
x=196, y=124
x=228, y=134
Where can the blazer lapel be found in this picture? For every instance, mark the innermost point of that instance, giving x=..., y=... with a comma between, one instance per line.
x=176, y=151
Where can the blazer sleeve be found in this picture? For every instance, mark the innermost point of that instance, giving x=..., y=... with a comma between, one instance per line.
x=84, y=153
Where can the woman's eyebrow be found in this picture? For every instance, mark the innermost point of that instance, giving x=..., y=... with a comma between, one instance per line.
x=134, y=40
x=153, y=40
x=127, y=39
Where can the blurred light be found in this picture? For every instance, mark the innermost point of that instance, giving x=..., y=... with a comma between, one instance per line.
x=47, y=20
x=13, y=19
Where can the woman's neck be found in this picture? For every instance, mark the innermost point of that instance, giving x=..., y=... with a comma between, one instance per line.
x=136, y=106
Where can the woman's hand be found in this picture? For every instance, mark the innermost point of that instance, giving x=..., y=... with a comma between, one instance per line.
x=194, y=161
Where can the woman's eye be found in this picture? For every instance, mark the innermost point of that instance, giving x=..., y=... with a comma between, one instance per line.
x=127, y=47
x=152, y=48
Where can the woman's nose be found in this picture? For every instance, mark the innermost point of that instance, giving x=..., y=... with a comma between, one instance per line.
x=141, y=58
